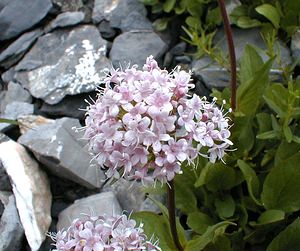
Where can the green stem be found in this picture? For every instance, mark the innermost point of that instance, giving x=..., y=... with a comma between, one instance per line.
x=172, y=217
x=232, y=57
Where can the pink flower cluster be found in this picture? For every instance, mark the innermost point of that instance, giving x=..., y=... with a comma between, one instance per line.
x=105, y=233
x=144, y=124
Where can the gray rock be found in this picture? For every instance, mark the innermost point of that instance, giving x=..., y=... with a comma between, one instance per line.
x=66, y=19
x=214, y=76
x=64, y=63
x=8, y=75
x=135, y=21
x=13, y=111
x=1, y=209
x=2, y=96
x=15, y=92
x=16, y=109
x=106, y=30
x=70, y=106
x=17, y=49
x=94, y=205
x=17, y=16
x=4, y=180
x=130, y=194
x=178, y=49
x=116, y=11
x=210, y=73
x=295, y=47
x=61, y=149
x=11, y=230
x=242, y=37
x=149, y=205
x=68, y=5
x=135, y=47
x=31, y=189
x=183, y=60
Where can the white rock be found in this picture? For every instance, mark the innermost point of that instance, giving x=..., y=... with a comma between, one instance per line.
x=31, y=190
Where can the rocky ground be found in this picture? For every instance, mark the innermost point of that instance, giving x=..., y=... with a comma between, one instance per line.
x=53, y=55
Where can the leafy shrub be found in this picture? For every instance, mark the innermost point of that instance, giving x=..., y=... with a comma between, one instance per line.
x=251, y=200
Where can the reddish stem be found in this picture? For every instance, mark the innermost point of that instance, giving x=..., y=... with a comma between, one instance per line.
x=232, y=57
x=172, y=217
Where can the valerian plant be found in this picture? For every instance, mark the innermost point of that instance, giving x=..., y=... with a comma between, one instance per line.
x=104, y=233
x=251, y=202
x=145, y=127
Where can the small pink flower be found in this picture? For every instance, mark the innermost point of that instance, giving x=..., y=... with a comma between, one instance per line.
x=104, y=233
x=145, y=125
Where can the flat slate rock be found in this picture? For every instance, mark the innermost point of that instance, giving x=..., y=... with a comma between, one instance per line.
x=71, y=106
x=104, y=203
x=116, y=11
x=15, y=92
x=17, y=16
x=135, y=21
x=62, y=150
x=135, y=47
x=13, y=111
x=11, y=230
x=130, y=194
x=64, y=62
x=17, y=49
x=68, y=5
x=66, y=19
x=214, y=76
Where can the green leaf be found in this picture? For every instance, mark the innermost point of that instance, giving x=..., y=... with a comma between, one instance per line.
x=208, y=237
x=288, y=133
x=217, y=177
x=169, y=5
x=287, y=153
x=271, y=216
x=254, y=80
x=251, y=180
x=247, y=22
x=185, y=199
x=296, y=139
x=288, y=239
x=251, y=63
x=269, y=135
x=238, y=12
x=156, y=225
x=199, y=222
x=270, y=12
x=213, y=17
x=194, y=8
x=264, y=122
x=242, y=135
x=281, y=187
x=161, y=24
x=225, y=207
x=165, y=214
x=193, y=22
x=276, y=96
x=220, y=243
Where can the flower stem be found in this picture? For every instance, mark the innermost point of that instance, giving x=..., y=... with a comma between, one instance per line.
x=232, y=57
x=172, y=217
